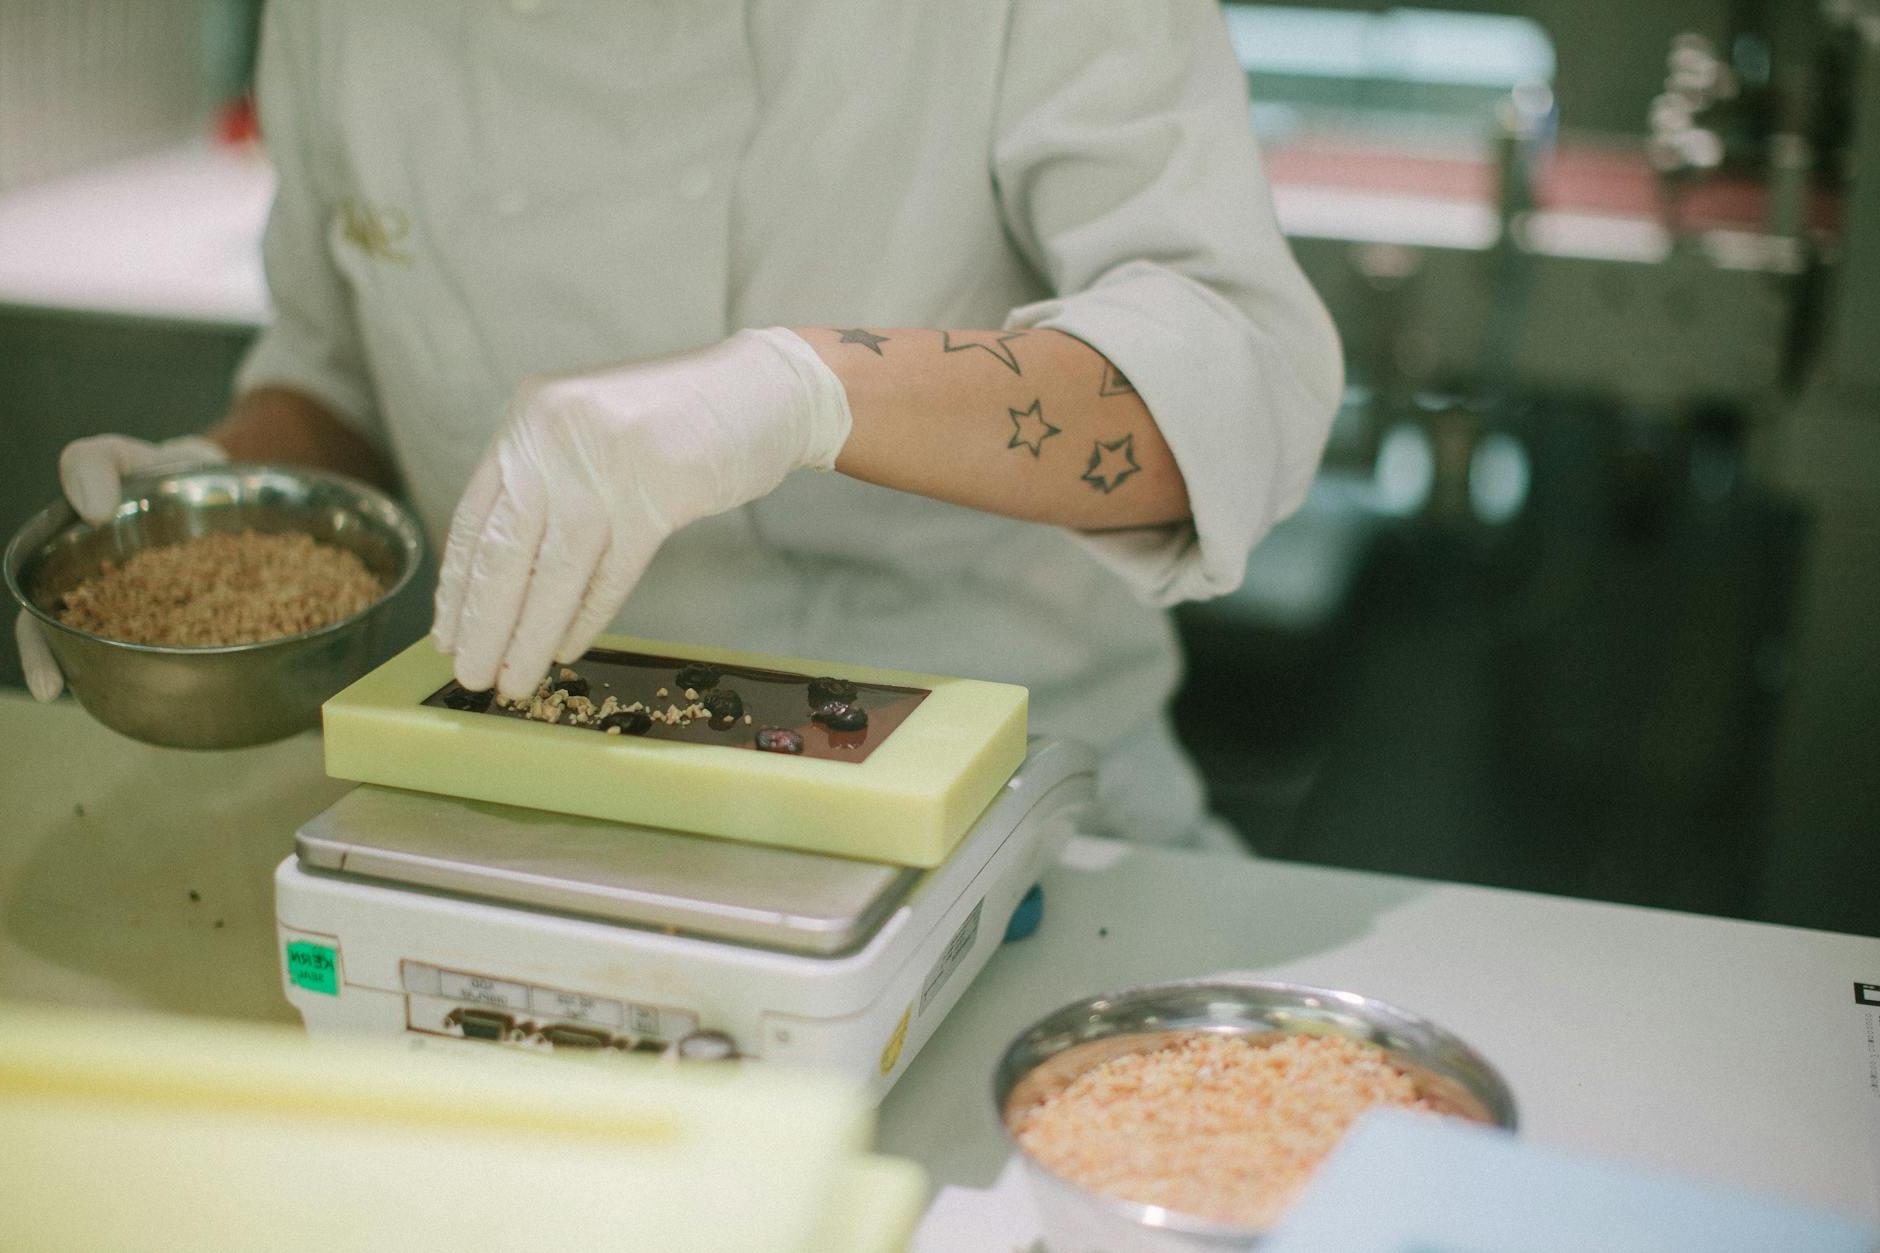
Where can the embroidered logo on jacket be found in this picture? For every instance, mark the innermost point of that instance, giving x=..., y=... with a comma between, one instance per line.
x=375, y=230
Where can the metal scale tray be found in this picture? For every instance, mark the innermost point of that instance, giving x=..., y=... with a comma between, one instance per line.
x=751, y=894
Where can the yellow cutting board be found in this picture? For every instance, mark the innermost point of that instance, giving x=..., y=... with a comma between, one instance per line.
x=147, y=1133
x=908, y=801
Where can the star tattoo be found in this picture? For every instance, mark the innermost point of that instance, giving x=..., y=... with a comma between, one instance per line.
x=1000, y=346
x=1029, y=428
x=856, y=335
x=1111, y=463
x=1114, y=384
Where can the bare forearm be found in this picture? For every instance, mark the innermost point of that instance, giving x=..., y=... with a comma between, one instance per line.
x=1030, y=424
x=280, y=424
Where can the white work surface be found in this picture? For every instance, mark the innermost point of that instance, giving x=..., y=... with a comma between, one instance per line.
x=1722, y=1050
x=175, y=235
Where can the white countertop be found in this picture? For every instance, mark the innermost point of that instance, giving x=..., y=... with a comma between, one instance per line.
x=175, y=235
x=1727, y=1051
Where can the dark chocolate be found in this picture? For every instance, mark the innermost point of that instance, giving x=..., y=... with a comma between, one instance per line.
x=630, y=722
x=825, y=689
x=769, y=699
x=840, y=715
x=474, y=702
x=698, y=676
x=724, y=705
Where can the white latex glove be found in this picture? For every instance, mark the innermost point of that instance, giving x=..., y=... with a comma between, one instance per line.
x=91, y=474
x=593, y=472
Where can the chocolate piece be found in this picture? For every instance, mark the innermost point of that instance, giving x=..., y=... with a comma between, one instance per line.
x=475, y=702
x=840, y=715
x=630, y=722
x=825, y=689
x=724, y=705
x=698, y=676
x=770, y=699
x=779, y=740
x=576, y=686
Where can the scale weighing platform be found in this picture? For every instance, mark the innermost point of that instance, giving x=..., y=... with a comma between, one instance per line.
x=469, y=924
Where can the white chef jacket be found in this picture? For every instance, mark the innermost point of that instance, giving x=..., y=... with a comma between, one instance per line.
x=475, y=192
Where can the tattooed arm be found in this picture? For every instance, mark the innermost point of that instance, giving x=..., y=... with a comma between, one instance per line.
x=1031, y=424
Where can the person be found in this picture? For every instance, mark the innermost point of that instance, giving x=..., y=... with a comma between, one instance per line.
x=611, y=287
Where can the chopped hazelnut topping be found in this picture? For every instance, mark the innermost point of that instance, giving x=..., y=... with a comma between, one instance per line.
x=222, y=589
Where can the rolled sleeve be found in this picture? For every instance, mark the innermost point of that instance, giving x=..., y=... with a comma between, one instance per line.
x=1129, y=177
x=312, y=343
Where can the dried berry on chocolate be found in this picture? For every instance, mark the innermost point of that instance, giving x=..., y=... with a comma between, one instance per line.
x=698, y=676
x=840, y=715
x=573, y=686
x=779, y=740
x=464, y=698
x=825, y=689
x=724, y=705
x=630, y=722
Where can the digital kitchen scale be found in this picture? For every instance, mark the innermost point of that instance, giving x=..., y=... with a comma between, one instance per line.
x=462, y=923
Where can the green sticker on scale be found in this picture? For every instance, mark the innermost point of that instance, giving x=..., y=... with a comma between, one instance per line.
x=314, y=967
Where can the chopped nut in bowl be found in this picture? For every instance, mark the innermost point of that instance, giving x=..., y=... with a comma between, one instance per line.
x=221, y=589
x=217, y=607
x=1186, y=1116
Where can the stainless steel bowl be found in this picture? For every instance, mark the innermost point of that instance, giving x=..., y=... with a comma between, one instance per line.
x=232, y=696
x=1052, y=1052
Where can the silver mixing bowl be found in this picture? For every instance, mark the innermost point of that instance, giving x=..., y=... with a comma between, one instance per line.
x=1047, y=1056
x=227, y=697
